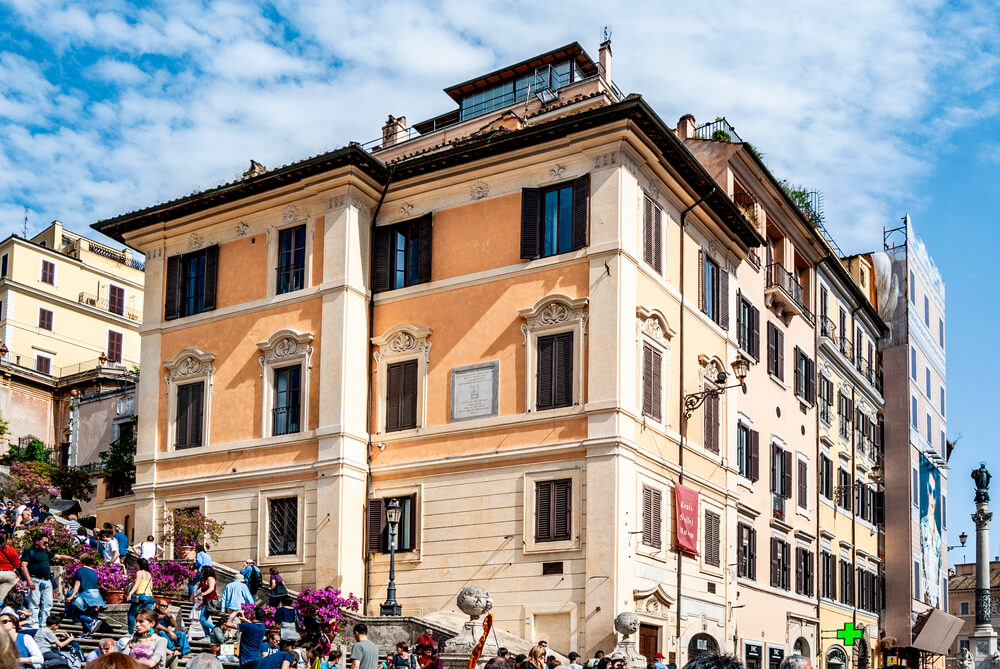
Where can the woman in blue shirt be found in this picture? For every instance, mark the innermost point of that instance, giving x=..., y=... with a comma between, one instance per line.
x=86, y=597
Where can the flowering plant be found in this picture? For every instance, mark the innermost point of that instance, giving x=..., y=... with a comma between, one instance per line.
x=169, y=577
x=26, y=482
x=185, y=527
x=330, y=607
x=62, y=541
x=112, y=577
x=268, y=613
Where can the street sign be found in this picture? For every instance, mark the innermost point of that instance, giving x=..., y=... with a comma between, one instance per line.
x=850, y=633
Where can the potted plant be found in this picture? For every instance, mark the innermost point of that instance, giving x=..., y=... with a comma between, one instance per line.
x=170, y=578
x=186, y=528
x=113, y=581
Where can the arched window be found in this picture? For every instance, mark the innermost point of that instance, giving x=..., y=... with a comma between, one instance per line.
x=701, y=644
x=801, y=647
x=836, y=658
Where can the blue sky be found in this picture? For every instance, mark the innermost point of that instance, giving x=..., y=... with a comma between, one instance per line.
x=888, y=107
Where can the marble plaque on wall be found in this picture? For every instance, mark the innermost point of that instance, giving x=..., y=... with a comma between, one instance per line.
x=474, y=390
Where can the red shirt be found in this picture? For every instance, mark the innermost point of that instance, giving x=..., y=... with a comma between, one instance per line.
x=9, y=561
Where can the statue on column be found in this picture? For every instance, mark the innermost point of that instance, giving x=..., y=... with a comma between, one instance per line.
x=982, y=478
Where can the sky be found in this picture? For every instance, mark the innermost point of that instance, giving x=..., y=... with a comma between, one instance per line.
x=886, y=107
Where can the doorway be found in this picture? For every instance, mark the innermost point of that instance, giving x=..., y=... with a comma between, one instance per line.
x=649, y=641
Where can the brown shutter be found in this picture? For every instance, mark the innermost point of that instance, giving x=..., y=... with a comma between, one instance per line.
x=657, y=385
x=181, y=424
x=657, y=508
x=376, y=524
x=798, y=571
x=401, y=396
x=755, y=333
x=658, y=239
x=647, y=516
x=172, y=294
x=211, y=275
x=798, y=382
x=712, y=424
x=545, y=373
x=772, y=349
x=647, y=230
x=701, y=277
x=775, y=483
x=647, y=379
x=741, y=533
x=810, y=380
x=195, y=413
x=581, y=207
x=562, y=387
x=754, y=455
x=803, y=483
x=752, y=557
x=114, y=346
x=543, y=510
x=779, y=348
x=408, y=408
x=723, y=299
x=382, y=267
x=823, y=304
x=116, y=300
x=530, y=223
x=562, y=508
x=425, y=226
x=775, y=564
x=786, y=475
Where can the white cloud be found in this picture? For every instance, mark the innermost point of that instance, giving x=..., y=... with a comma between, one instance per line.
x=117, y=71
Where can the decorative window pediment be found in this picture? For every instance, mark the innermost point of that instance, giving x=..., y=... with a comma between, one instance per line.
x=553, y=311
x=552, y=315
x=396, y=345
x=403, y=340
x=188, y=367
x=653, y=324
x=284, y=345
x=189, y=363
x=285, y=405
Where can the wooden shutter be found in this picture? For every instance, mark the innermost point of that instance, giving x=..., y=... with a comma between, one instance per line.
x=657, y=517
x=114, y=346
x=530, y=223
x=376, y=525
x=723, y=299
x=741, y=552
x=393, y=396
x=775, y=563
x=172, y=294
x=786, y=474
x=701, y=278
x=562, y=508
x=779, y=349
x=45, y=319
x=657, y=384
x=382, y=260
x=562, y=378
x=544, y=375
x=798, y=380
x=651, y=516
x=647, y=379
x=181, y=424
x=657, y=239
x=408, y=409
x=647, y=231
x=543, y=510
x=772, y=349
x=775, y=483
x=712, y=424
x=116, y=300
x=401, y=396
x=581, y=208
x=195, y=413
x=799, y=573
x=754, y=455
x=752, y=557
x=425, y=226
x=810, y=380
x=755, y=333
x=712, y=532
x=211, y=275
x=823, y=299
x=803, y=483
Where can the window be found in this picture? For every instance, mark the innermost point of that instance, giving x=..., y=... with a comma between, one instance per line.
x=191, y=279
x=554, y=219
x=287, y=399
x=828, y=576
x=188, y=422
x=45, y=319
x=48, y=273
x=913, y=363
x=283, y=524
x=963, y=609
x=116, y=300
x=748, y=327
x=780, y=564
x=652, y=503
x=940, y=328
x=713, y=290
x=3, y=265
x=552, y=510
x=845, y=409
x=775, y=351
x=942, y=400
x=825, y=399
x=652, y=234
x=747, y=451
x=846, y=583
x=927, y=311
x=913, y=409
x=43, y=364
x=929, y=427
x=781, y=471
x=711, y=298
x=804, y=570
x=713, y=522
x=403, y=254
x=746, y=552
x=378, y=528
x=711, y=413
x=555, y=371
x=652, y=369
x=915, y=487
x=913, y=288
x=927, y=382
x=114, y=346
x=805, y=376
x=401, y=396
x=803, y=485
x=291, y=259
x=944, y=446
x=825, y=476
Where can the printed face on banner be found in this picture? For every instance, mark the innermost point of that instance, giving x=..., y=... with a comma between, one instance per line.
x=930, y=533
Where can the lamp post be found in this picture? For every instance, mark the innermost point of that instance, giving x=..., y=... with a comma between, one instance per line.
x=694, y=400
x=392, y=515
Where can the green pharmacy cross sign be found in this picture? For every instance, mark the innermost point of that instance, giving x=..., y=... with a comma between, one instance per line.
x=850, y=633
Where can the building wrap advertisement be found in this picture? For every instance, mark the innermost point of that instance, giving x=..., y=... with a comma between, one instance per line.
x=930, y=533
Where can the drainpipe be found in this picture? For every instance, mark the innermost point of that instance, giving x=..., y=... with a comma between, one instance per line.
x=370, y=487
x=683, y=421
x=854, y=466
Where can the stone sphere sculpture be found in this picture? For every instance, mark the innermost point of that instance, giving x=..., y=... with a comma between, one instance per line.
x=626, y=623
x=475, y=600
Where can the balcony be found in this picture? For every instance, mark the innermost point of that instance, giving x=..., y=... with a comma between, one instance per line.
x=846, y=348
x=824, y=410
x=116, y=256
x=129, y=310
x=43, y=365
x=785, y=293
x=718, y=130
x=828, y=329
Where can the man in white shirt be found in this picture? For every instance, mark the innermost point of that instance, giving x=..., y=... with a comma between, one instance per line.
x=573, y=661
x=107, y=645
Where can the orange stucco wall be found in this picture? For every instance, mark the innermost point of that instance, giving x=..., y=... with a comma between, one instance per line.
x=224, y=463
x=317, y=250
x=243, y=270
x=477, y=237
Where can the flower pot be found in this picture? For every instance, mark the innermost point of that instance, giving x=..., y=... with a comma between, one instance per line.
x=115, y=596
x=188, y=552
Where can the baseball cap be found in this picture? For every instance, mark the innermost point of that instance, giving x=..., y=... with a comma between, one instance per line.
x=658, y=656
x=573, y=655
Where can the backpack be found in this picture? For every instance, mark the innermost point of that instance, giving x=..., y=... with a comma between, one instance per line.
x=254, y=581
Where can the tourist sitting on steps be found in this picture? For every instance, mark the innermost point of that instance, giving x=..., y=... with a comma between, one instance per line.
x=166, y=626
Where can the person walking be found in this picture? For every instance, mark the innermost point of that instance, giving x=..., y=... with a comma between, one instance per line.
x=140, y=595
x=85, y=600
x=276, y=588
x=149, y=549
x=252, y=577
x=10, y=563
x=109, y=548
x=209, y=598
x=36, y=568
x=121, y=539
x=202, y=559
x=235, y=595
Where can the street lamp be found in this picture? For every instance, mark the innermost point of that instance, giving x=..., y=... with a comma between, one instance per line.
x=741, y=366
x=962, y=538
x=392, y=515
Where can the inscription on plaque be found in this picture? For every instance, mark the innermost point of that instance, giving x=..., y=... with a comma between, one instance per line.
x=474, y=391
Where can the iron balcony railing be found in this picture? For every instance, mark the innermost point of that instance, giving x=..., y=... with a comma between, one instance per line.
x=720, y=130
x=129, y=310
x=778, y=276
x=846, y=347
x=290, y=278
x=285, y=420
x=126, y=366
x=778, y=505
x=116, y=256
x=753, y=257
x=827, y=328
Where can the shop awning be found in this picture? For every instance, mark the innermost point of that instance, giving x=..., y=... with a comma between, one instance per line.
x=935, y=631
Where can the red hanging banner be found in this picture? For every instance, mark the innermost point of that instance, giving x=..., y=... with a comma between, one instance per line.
x=686, y=503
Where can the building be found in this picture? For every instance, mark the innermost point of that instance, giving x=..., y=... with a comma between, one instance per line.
x=538, y=306
x=911, y=300
x=69, y=324
x=962, y=601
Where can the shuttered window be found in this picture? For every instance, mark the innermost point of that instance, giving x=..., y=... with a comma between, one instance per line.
x=401, y=396
x=825, y=476
x=652, y=519
x=555, y=371
x=746, y=552
x=43, y=364
x=190, y=403
x=775, y=351
x=114, y=346
x=48, y=274
x=652, y=371
x=652, y=234
x=403, y=254
x=804, y=571
x=780, y=567
x=715, y=291
x=116, y=299
x=828, y=576
x=283, y=525
x=191, y=283
x=748, y=327
x=45, y=319
x=781, y=471
x=747, y=451
x=803, y=484
x=554, y=219
x=377, y=528
x=711, y=412
x=552, y=510
x=805, y=376
x=713, y=524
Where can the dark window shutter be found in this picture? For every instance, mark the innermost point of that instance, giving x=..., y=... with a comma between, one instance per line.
x=562, y=386
x=657, y=384
x=799, y=574
x=401, y=396
x=195, y=413
x=647, y=379
x=657, y=239
x=545, y=373
x=172, y=294
x=741, y=552
x=562, y=508
x=701, y=279
x=755, y=333
x=754, y=455
x=181, y=424
x=752, y=557
x=581, y=208
x=114, y=346
x=798, y=372
x=408, y=409
x=775, y=564
x=723, y=299
x=425, y=225
x=712, y=424
x=648, y=252
x=530, y=223
x=657, y=507
x=211, y=275
x=786, y=475
x=775, y=454
x=393, y=396
x=647, y=516
x=779, y=348
x=116, y=300
x=382, y=269
x=803, y=482
x=772, y=349
x=376, y=525
x=543, y=510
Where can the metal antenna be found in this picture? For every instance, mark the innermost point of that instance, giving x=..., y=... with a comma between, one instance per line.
x=24, y=226
x=607, y=33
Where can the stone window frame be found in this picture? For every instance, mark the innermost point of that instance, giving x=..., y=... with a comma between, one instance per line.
x=529, y=481
x=290, y=219
x=652, y=328
x=416, y=491
x=709, y=366
x=645, y=480
x=189, y=365
x=180, y=501
x=554, y=314
x=264, y=496
x=285, y=348
x=708, y=504
x=399, y=343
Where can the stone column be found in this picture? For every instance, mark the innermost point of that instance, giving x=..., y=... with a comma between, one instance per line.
x=983, y=639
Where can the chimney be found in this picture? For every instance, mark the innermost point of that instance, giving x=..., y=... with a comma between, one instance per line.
x=604, y=57
x=394, y=131
x=685, y=127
